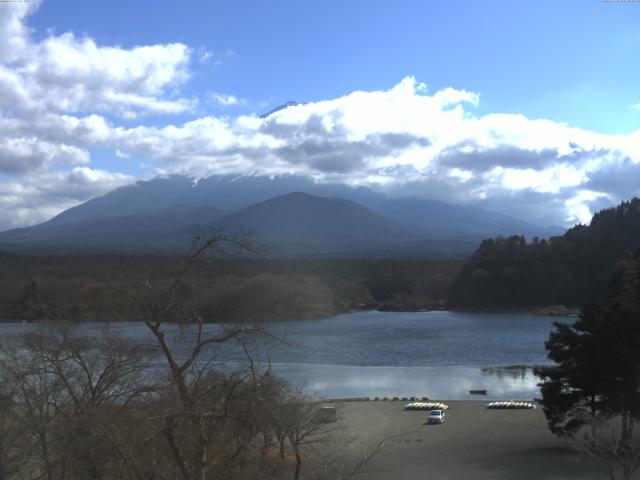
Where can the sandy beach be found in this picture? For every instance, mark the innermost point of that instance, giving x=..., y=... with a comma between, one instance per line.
x=473, y=444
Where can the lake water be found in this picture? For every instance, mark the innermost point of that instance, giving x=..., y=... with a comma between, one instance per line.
x=435, y=354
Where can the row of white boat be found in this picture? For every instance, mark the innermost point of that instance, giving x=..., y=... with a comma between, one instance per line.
x=426, y=406
x=511, y=404
x=494, y=405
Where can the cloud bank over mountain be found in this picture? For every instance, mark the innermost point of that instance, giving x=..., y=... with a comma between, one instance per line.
x=63, y=97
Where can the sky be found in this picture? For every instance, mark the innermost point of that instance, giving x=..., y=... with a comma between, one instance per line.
x=530, y=108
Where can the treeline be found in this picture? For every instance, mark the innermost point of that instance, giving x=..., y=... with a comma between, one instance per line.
x=86, y=287
x=571, y=269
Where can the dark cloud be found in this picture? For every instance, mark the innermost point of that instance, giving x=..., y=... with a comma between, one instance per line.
x=22, y=155
x=621, y=180
x=340, y=155
x=314, y=126
x=470, y=156
x=13, y=164
x=329, y=149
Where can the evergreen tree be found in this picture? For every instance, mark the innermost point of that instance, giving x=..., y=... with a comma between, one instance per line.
x=597, y=359
x=570, y=269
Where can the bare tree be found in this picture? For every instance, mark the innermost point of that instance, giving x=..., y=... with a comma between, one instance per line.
x=614, y=446
x=10, y=460
x=102, y=407
x=277, y=410
x=37, y=394
x=207, y=409
x=67, y=391
x=306, y=427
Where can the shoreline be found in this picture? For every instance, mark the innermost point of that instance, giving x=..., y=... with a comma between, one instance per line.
x=537, y=311
x=387, y=306
x=416, y=399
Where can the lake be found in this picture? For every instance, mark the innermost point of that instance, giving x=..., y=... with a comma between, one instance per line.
x=436, y=354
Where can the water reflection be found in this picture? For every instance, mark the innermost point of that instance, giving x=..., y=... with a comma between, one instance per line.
x=510, y=371
x=441, y=355
x=441, y=382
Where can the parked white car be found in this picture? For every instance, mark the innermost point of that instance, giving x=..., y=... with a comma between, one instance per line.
x=436, y=416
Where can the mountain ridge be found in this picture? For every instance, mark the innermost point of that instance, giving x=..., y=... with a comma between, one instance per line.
x=418, y=223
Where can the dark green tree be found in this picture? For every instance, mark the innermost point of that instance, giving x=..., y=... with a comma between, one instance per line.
x=597, y=359
x=571, y=269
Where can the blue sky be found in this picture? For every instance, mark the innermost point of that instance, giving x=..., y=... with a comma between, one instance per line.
x=569, y=61
x=531, y=108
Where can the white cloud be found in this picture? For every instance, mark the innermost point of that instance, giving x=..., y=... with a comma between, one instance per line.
x=71, y=74
x=578, y=205
x=64, y=95
x=13, y=31
x=19, y=155
x=41, y=196
x=203, y=55
x=404, y=136
x=55, y=97
x=225, y=100
x=120, y=154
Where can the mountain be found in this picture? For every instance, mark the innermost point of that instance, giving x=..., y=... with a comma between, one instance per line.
x=135, y=231
x=443, y=220
x=155, y=197
x=571, y=269
x=160, y=212
x=232, y=193
x=280, y=107
x=298, y=222
x=292, y=224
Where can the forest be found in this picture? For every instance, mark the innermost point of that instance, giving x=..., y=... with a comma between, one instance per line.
x=250, y=288
x=571, y=269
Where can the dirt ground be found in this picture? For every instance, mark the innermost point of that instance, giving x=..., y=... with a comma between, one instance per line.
x=473, y=444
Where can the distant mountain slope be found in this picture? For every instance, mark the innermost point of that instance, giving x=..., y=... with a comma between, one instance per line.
x=231, y=193
x=134, y=231
x=444, y=220
x=299, y=221
x=571, y=269
x=427, y=226
x=141, y=198
x=294, y=223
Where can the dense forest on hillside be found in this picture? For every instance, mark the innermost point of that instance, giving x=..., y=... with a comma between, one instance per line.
x=84, y=287
x=570, y=270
